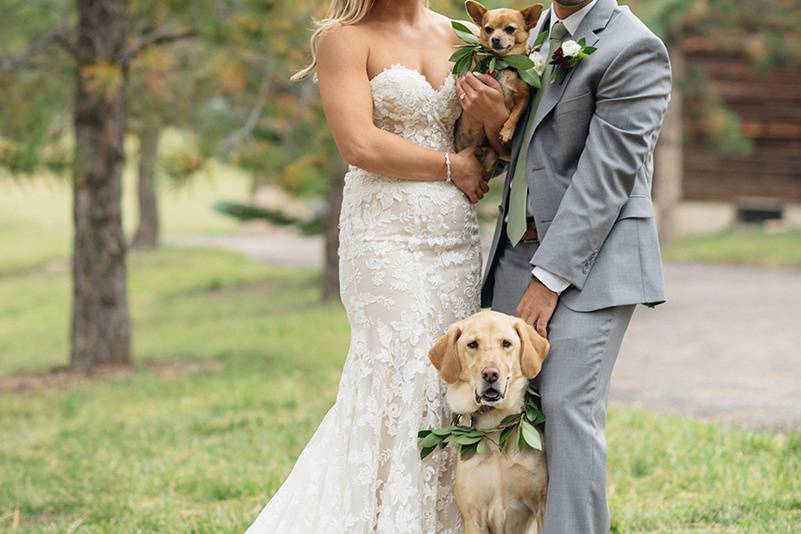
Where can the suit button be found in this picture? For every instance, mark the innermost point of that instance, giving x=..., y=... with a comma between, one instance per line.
x=500, y=208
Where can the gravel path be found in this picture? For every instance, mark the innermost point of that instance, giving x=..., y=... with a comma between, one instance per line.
x=726, y=346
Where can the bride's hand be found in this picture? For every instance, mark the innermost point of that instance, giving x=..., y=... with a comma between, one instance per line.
x=481, y=97
x=468, y=174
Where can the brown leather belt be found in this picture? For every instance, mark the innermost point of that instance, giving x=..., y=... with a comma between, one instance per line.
x=531, y=232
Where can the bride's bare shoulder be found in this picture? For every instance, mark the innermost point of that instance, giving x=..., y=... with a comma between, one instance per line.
x=342, y=41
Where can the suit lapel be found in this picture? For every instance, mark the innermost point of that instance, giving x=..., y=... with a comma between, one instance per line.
x=595, y=20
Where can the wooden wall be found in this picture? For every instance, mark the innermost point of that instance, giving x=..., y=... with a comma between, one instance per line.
x=769, y=106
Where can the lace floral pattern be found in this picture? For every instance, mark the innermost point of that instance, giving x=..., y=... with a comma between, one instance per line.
x=410, y=265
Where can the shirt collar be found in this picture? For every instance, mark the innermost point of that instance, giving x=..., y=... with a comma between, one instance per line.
x=573, y=21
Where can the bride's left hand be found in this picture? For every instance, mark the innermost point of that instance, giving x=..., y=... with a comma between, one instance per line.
x=481, y=97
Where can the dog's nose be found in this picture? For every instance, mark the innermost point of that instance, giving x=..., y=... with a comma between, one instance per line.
x=490, y=374
x=496, y=41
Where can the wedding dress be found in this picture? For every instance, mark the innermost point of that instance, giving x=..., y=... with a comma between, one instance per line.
x=410, y=266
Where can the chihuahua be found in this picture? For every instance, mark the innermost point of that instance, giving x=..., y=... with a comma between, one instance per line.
x=505, y=32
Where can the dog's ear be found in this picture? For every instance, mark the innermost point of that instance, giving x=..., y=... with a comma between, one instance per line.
x=533, y=349
x=475, y=10
x=531, y=15
x=445, y=356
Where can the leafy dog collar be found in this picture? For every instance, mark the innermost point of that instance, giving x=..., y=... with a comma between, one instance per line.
x=486, y=60
x=471, y=440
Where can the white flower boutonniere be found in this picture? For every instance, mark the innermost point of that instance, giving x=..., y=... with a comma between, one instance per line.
x=571, y=48
x=568, y=56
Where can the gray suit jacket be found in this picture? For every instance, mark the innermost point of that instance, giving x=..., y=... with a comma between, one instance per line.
x=590, y=164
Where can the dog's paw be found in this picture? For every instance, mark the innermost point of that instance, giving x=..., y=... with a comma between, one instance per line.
x=506, y=133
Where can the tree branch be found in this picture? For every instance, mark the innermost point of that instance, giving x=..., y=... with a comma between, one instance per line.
x=243, y=133
x=24, y=59
x=157, y=37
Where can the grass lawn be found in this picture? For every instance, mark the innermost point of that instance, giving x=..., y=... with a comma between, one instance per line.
x=201, y=452
x=750, y=247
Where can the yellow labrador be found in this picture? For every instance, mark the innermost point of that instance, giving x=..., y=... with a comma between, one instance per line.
x=487, y=361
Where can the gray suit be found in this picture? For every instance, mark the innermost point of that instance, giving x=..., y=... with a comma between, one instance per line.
x=590, y=164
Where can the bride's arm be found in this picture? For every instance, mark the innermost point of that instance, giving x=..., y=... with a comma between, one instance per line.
x=348, y=106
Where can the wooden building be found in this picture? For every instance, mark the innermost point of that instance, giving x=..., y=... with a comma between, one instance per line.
x=769, y=107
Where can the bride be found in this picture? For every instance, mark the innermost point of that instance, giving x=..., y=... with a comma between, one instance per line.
x=409, y=266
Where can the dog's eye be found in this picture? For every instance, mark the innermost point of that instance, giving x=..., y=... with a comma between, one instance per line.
x=506, y=343
x=488, y=29
x=509, y=29
x=472, y=345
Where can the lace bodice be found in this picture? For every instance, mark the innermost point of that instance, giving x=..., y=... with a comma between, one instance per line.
x=406, y=104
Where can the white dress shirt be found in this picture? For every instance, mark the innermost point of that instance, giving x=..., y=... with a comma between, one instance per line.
x=555, y=283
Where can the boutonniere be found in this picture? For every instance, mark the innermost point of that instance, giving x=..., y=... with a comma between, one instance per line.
x=486, y=60
x=568, y=56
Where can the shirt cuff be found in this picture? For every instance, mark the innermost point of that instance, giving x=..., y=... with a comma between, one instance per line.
x=555, y=283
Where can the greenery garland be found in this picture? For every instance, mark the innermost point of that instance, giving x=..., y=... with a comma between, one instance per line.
x=471, y=440
x=486, y=60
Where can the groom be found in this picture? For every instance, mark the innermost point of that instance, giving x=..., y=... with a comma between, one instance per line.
x=575, y=248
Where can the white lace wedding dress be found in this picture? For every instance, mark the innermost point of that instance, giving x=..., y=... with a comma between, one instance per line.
x=409, y=266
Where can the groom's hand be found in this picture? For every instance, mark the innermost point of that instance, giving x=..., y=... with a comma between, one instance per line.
x=537, y=306
x=483, y=99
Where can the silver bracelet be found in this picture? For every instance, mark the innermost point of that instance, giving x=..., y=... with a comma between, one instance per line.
x=449, y=177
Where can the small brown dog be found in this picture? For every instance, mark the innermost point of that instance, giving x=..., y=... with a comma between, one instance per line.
x=487, y=361
x=504, y=31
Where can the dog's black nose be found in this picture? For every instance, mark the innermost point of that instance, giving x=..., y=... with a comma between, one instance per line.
x=490, y=374
x=496, y=42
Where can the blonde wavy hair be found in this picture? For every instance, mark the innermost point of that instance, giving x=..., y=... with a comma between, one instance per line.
x=343, y=12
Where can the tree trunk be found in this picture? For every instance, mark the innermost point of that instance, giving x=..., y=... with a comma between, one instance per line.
x=147, y=232
x=669, y=159
x=100, y=322
x=334, y=204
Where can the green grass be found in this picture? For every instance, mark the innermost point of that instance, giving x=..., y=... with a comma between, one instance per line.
x=202, y=452
x=750, y=247
x=161, y=451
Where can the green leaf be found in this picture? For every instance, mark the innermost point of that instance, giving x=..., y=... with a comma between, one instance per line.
x=465, y=440
x=534, y=414
x=423, y=433
x=540, y=39
x=467, y=451
x=519, y=61
x=481, y=448
x=491, y=65
x=531, y=412
x=531, y=436
x=484, y=64
x=509, y=418
x=505, y=433
x=531, y=77
x=426, y=451
x=464, y=33
x=521, y=441
x=589, y=50
x=442, y=432
x=501, y=64
x=581, y=42
x=461, y=67
x=431, y=440
x=459, y=54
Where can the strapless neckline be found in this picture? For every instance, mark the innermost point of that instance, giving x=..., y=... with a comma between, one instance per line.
x=400, y=66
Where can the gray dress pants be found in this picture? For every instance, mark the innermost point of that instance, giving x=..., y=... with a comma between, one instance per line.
x=574, y=383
